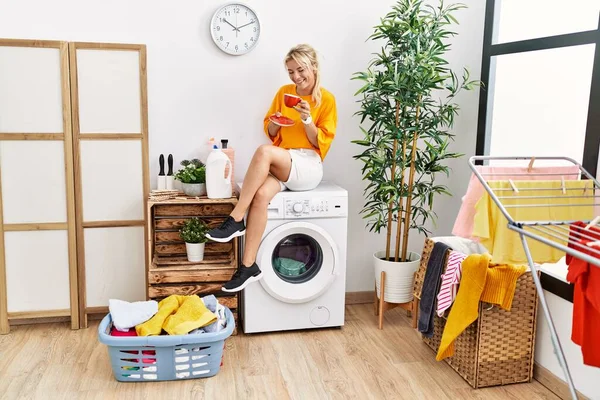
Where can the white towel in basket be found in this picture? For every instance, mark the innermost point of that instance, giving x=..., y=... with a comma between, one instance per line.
x=126, y=315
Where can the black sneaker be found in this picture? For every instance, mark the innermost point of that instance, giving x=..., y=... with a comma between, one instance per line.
x=229, y=229
x=242, y=277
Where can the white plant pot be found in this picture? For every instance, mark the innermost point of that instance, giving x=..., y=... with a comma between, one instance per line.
x=195, y=251
x=194, y=189
x=399, y=277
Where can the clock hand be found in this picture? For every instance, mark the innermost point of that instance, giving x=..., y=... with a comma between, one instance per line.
x=249, y=23
x=228, y=23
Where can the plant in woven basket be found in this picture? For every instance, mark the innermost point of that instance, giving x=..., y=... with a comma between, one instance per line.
x=407, y=110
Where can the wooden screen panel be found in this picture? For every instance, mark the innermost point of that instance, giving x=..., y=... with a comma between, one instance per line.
x=37, y=270
x=37, y=167
x=114, y=265
x=111, y=177
x=33, y=181
x=109, y=80
x=30, y=90
x=110, y=126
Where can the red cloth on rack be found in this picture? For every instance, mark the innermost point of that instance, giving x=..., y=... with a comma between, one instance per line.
x=586, y=295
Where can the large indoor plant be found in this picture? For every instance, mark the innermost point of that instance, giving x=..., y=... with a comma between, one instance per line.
x=407, y=107
x=193, y=233
x=192, y=177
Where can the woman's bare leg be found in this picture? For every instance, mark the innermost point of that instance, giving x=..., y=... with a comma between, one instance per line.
x=257, y=219
x=267, y=159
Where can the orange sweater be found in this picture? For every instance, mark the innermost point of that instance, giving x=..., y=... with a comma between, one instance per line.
x=294, y=137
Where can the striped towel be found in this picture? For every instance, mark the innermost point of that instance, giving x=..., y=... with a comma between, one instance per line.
x=450, y=281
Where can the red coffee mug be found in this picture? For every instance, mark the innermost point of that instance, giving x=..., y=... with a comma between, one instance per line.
x=290, y=100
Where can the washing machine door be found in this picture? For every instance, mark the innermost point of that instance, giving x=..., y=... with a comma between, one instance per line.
x=298, y=261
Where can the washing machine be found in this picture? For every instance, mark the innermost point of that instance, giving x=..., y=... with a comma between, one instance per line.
x=302, y=256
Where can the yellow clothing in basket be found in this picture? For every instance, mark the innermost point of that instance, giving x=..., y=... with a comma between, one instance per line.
x=480, y=281
x=500, y=284
x=177, y=315
x=491, y=227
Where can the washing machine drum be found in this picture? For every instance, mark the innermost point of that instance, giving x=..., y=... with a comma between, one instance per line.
x=298, y=261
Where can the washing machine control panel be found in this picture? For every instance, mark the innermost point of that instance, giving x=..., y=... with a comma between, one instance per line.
x=313, y=208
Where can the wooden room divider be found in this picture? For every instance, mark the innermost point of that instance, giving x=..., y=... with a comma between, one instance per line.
x=73, y=178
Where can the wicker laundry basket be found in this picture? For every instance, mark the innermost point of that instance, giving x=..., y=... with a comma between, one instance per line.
x=496, y=349
x=165, y=358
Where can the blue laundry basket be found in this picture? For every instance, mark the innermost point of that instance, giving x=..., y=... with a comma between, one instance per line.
x=165, y=358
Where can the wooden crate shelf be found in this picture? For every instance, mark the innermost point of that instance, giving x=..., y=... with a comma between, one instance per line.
x=194, y=273
x=169, y=272
x=210, y=260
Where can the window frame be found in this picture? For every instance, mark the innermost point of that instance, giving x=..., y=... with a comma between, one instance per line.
x=591, y=148
x=592, y=135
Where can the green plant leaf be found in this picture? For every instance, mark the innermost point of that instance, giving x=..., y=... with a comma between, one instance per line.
x=410, y=70
x=194, y=231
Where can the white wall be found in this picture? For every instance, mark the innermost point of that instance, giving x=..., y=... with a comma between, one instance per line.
x=195, y=91
x=585, y=378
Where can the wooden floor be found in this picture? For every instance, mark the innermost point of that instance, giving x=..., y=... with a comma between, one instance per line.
x=356, y=362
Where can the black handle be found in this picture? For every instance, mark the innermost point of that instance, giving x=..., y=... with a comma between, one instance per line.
x=161, y=163
x=170, y=163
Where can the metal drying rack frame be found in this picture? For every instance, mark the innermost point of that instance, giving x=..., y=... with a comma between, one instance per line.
x=557, y=233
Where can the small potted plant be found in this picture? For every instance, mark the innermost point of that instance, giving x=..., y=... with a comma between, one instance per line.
x=192, y=177
x=193, y=234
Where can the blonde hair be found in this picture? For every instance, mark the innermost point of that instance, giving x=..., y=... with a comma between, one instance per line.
x=306, y=56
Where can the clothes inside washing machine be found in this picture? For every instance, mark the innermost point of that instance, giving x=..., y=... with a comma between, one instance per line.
x=297, y=258
x=289, y=266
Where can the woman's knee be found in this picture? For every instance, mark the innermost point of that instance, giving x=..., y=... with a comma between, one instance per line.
x=264, y=152
x=262, y=197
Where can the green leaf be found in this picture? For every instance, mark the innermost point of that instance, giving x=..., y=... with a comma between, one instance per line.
x=410, y=70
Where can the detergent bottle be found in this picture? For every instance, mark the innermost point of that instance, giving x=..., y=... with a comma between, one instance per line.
x=218, y=186
x=206, y=149
x=229, y=152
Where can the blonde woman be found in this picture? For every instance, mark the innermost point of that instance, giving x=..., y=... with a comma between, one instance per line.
x=292, y=161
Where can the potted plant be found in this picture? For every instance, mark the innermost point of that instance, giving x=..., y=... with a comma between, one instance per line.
x=193, y=234
x=192, y=177
x=407, y=107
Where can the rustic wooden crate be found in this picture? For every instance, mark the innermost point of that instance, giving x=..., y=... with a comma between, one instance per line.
x=169, y=272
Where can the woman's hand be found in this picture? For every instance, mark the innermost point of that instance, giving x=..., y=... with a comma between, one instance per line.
x=304, y=109
x=274, y=128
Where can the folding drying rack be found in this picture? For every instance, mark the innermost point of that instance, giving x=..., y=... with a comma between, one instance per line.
x=556, y=233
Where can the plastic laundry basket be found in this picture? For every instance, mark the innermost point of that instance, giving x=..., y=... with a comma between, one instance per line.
x=165, y=358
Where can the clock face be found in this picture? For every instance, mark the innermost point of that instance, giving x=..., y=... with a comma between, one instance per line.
x=235, y=28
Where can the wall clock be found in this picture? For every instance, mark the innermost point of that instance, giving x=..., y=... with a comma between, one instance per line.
x=235, y=28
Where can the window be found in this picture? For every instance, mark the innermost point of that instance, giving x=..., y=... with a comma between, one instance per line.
x=529, y=19
x=541, y=78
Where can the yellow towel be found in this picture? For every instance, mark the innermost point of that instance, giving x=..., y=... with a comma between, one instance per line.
x=175, y=315
x=465, y=308
x=480, y=281
x=154, y=325
x=491, y=226
x=192, y=314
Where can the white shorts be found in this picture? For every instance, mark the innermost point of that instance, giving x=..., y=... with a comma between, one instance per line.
x=306, y=172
